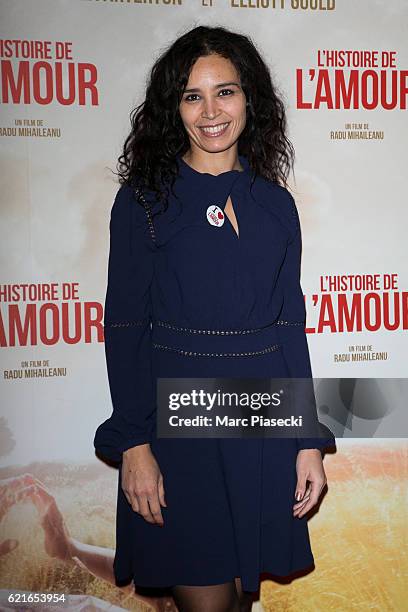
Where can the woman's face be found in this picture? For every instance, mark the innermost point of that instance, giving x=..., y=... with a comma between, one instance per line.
x=213, y=99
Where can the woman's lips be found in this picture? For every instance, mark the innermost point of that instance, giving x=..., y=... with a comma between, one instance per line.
x=215, y=132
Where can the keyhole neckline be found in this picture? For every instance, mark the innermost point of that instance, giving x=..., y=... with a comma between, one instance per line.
x=228, y=220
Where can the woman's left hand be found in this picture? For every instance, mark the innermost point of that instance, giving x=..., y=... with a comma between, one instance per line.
x=309, y=467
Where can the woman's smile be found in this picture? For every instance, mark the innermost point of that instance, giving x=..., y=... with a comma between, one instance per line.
x=215, y=130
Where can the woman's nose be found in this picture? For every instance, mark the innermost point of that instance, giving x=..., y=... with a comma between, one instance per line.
x=210, y=108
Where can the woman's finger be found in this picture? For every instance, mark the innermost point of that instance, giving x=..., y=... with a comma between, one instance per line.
x=161, y=492
x=317, y=487
x=301, y=503
x=156, y=510
x=307, y=492
x=299, y=506
x=145, y=509
x=133, y=501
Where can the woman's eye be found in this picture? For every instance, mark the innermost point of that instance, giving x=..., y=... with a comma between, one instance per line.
x=190, y=97
x=187, y=98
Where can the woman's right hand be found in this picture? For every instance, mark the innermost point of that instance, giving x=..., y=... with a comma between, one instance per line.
x=142, y=483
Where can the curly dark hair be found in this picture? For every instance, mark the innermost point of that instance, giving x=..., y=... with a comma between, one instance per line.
x=158, y=134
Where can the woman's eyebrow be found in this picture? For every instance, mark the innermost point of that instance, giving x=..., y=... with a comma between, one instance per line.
x=215, y=86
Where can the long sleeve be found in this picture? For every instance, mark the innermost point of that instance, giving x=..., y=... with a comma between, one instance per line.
x=292, y=322
x=127, y=330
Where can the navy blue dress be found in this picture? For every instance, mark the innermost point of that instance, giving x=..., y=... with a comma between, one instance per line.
x=174, y=281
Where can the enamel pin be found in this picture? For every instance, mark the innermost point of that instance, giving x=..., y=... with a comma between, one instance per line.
x=215, y=216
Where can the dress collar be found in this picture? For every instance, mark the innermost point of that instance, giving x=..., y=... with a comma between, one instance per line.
x=186, y=170
x=210, y=188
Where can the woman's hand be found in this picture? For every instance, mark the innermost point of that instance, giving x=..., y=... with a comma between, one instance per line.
x=142, y=483
x=309, y=467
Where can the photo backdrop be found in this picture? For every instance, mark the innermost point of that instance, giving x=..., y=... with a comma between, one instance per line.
x=71, y=71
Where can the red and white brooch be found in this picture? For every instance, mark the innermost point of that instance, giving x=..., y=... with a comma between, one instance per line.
x=215, y=216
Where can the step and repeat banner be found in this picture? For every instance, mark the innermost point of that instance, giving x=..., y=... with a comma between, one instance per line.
x=71, y=72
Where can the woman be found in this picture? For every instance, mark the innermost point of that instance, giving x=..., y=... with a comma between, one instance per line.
x=203, y=281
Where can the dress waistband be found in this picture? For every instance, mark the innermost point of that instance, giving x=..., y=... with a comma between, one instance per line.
x=214, y=342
